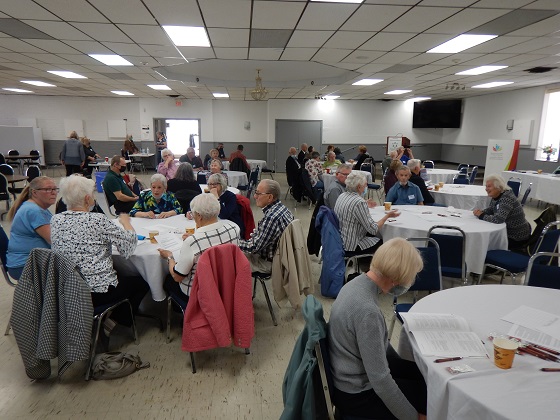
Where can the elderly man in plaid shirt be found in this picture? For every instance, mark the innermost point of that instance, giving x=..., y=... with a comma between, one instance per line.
x=261, y=247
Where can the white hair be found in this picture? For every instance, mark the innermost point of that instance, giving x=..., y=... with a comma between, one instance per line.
x=159, y=178
x=74, y=189
x=206, y=206
x=354, y=180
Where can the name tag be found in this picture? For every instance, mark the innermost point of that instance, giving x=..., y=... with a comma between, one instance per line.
x=411, y=197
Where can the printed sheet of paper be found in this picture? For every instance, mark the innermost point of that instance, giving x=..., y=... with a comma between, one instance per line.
x=170, y=241
x=535, y=337
x=535, y=319
x=437, y=322
x=449, y=343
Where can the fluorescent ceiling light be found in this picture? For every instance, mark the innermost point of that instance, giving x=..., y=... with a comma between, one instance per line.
x=18, y=90
x=37, y=83
x=366, y=82
x=159, y=87
x=67, y=74
x=419, y=98
x=491, y=85
x=187, y=36
x=461, y=43
x=122, y=93
x=220, y=95
x=331, y=97
x=340, y=1
x=397, y=92
x=111, y=59
x=480, y=70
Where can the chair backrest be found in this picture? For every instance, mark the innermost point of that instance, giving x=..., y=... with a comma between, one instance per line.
x=6, y=169
x=424, y=174
x=237, y=164
x=542, y=275
x=452, y=250
x=109, y=205
x=2, y=159
x=461, y=179
x=308, y=189
x=32, y=172
x=515, y=185
x=254, y=178
x=473, y=174
x=429, y=279
x=36, y=155
x=4, y=195
x=462, y=166
x=325, y=372
x=429, y=164
x=548, y=241
x=3, y=255
x=548, y=215
x=185, y=197
x=13, y=152
x=369, y=167
x=526, y=194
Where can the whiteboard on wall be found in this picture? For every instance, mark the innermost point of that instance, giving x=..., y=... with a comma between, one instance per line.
x=116, y=128
x=74, y=125
x=22, y=139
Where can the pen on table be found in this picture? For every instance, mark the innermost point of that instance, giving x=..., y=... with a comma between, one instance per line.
x=550, y=369
x=538, y=354
x=447, y=359
x=537, y=346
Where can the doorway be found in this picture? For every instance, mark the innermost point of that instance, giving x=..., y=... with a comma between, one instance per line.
x=293, y=133
x=181, y=133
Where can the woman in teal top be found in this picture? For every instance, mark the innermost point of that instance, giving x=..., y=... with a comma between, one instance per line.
x=156, y=203
x=30, y=219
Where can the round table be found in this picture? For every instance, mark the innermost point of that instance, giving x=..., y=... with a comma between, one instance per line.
x=232, y=189
x=146, y=260
x=461, y=196
x=522, y=392
x=441, y=175
x=234, y=178
x=253, y=163
x=415, y=221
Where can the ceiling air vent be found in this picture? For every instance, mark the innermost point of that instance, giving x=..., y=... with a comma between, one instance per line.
x=540, y=69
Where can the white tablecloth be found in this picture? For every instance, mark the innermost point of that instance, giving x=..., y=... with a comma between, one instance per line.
x=104, y=165
x=415, y=221
x=461, y=196
x=232, y=189
x=441, y=175
x=146, y=260
x=522, y=392
x=235, y=178
x=328, y=178
x=546, y=187
x=253, y=163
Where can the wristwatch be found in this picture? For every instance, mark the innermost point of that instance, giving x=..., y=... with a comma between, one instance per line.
x=170, y=258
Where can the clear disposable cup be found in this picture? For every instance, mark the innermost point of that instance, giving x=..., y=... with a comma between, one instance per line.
x=387, y=205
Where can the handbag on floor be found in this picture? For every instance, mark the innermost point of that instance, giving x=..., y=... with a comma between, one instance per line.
x=113, y=365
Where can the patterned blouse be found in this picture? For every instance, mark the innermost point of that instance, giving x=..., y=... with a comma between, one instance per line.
x=87, y=239
x=315, y=169
x=506, y=209
x=147, y=202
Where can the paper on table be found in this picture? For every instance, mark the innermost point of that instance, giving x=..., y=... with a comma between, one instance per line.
x=449, y=344
x=438, y=322
x=170, y=241
x=165, y=229
x=534, y=337
x=535, y=319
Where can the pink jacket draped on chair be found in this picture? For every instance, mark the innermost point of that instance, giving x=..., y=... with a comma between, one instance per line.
x=220, y=309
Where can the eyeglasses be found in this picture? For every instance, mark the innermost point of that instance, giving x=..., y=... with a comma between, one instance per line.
x=340, y=173
x=213, y=185
x=49, y=190
x=260, y=193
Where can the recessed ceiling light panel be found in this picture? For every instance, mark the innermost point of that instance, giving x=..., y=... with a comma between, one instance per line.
x=187, y=36
x=122, y=93
x=366, y=82
x=331, y=97
x=461, y=43
x=67, y=74
x=480, y=70
x=397, y=92
x=111, y=59
x=491, y=85
x=159, y=87
x=220, y=95
x=37, y=83
x=18, y=90
x=420, y=99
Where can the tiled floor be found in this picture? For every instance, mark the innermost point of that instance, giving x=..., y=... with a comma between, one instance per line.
x=228, y=384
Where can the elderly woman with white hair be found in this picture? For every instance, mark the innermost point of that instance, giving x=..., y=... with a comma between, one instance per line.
x=370, y=379
x=504, y=208
x=86, y=239
x=357, y=227
x=229, y=210
x=157, y=203
x=210, y=231
x=167, y=167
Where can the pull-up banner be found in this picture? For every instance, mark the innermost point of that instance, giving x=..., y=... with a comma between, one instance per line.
x=501, y=156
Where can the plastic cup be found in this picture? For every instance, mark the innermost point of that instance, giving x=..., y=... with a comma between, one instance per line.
x=189, y=231
x=152, y=235
x=436, y=187
x=206, y=190
x=539, y=171
x=106, y=159
x=504, y=351
x=441, y=184
x=387, y=205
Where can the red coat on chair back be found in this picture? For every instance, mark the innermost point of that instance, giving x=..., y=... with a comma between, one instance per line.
x=220, y=308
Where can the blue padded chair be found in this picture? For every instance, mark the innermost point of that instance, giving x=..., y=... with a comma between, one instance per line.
x=428, y=280
x=526, y=194
x=3, y=267
x=515, y=185
x=452, y=252
x=463, y=168
x=368, y=167
x=32, y=172
x=429, y=164
x=511, y=263
x=253, y=181
x=472, y=176
x=543, y=275
x=461, y=179
x=4, y=194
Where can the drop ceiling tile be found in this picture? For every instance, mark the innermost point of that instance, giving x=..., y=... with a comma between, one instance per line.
x=544, y=27
x=130, y=11
x=328, y=55
x=305, y=39
x=79, y=58
x=498, y=44
x=421, y=18
x=522, y=59
x=231, y=53
x=71, y=10
x=17, y=45
x=466, y=20
x=52, y=46
x=375, y=18
x=276, y=15
x=362, y=57
x=386, y=41
x=49, y=58
x=450, y=3
x=176, y=12
x=326, y=16
x=226, y=14
x=89, y=47
x=58, y=30
x=530, y=46
x=264, y=53
x=298, y=54
x=543, y=5
x=124, y=49
x=146, y=34
x=228, y=38
x=454, y=59
x=348, y=39
x=161, y=51
x=422, y=43
x=102, y=32
x=395, y=57
x=26, y=9
x=197, y=52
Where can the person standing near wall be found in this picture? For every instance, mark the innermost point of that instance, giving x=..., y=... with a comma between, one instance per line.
x=73, y=155
x=161, y=143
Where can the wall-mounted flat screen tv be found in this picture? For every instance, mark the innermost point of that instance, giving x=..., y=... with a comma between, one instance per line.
x=437, y=114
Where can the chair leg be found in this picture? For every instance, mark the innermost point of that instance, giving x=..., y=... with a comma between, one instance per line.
x=134, y=330
x=97, y=327
x=168, y=319
x=193, y=366
x=254, y=287
x=268, y=302
x=8, y=327
x=247, y=351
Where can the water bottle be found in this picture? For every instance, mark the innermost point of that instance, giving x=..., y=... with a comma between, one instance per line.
x=147, y=150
